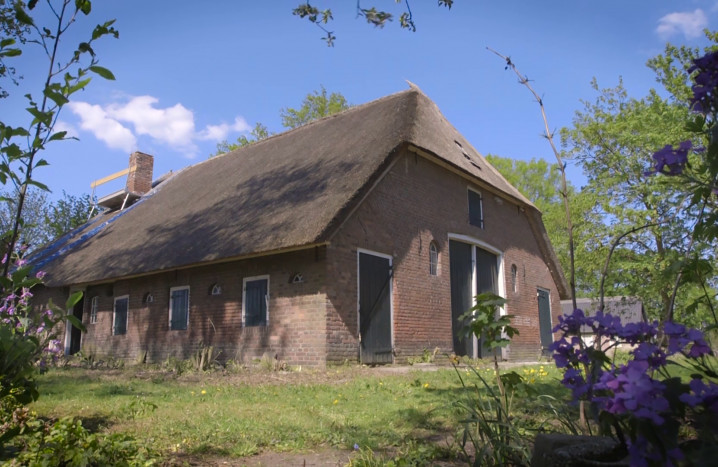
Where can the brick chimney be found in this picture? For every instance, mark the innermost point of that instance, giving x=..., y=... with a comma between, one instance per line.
x=139, y=180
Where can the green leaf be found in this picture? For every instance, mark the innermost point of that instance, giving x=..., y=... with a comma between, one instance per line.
x=22, y=17
x=84, y=6
x=10, y=53
x=41, y=186
x=56, y=97
x=78, y=86
x=104, y=72
x=6, y=42
x=73, y=300
x=60, y=135
x=43, y=162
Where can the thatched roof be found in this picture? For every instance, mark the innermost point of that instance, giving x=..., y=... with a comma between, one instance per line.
x=287, y=191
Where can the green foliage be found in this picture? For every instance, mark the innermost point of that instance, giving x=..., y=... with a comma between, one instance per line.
x=259, y=133
x=484, y=322
x=377, y=18
x=644, y=222
x=20, y=146
x=316, y=105
x=42, y=221
x=489, y=426
x=66, y=442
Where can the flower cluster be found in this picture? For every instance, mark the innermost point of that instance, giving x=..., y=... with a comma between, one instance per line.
x=638, y=390
x=671, y=161
x=705, y=99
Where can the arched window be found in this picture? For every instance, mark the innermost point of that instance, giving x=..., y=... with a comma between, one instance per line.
x=433, y=259
x=216, y=289
x=148, y=298
x=514, y=279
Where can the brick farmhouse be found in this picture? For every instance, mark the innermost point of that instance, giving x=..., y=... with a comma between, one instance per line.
x=361, y=236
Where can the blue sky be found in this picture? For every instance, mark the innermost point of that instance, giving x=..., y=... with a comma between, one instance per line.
x=190, y=73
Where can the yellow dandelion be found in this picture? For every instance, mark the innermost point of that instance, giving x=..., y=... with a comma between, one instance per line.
x=426, y=385
x=192, y=392
x=204, y=392
x=336, y=401
x=381, y=384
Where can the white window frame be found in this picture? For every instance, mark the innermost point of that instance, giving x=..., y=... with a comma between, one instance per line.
x=114, y=314
x=244, y=298
x=169, y=315
x=501, y=286
x=93, y=309
x=433, y=259
x=481, y=206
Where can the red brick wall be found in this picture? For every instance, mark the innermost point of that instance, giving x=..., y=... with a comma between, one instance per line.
x=296, y=330
x=416, y=203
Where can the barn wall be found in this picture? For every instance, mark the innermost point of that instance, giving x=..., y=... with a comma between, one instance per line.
x=295, y=332
x=416, y=203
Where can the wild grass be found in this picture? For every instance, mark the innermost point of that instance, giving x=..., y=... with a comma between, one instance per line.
x=241, y=414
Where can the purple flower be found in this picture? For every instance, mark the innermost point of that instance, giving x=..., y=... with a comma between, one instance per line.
x=571, y=324
x=669, y=161
x=631, y=391
x=634, y=333
x=356, y=446
x=706, y=81
x=40, y=274
x=702, y=394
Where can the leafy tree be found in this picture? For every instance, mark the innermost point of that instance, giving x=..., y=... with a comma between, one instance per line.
x=259, y=132
x=540, y=181
x=377, y=18
x=10, y=30
x=645, y=222
x=315, y=105
x=20, y=147
x=33, y=231
x=67, y=213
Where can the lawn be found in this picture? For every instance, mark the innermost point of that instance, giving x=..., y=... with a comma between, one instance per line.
x=247, y=411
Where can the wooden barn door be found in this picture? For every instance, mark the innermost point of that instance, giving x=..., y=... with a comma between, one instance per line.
x=76, y=333
x=544, y=310
x=461, y=271
x=375, y=273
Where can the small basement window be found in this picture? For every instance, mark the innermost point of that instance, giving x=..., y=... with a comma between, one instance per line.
x=179, y=308
x=433, y=259
x=120, y=315
x=476, y=209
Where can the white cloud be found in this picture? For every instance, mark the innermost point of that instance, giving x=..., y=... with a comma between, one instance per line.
x=172, y=126
x=220, y=132
x=689, y=24
x=94, y=118
x=62, y=125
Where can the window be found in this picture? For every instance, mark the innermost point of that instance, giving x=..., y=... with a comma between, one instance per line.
x=514, y=279
x=93, y=310
x=148, y=298
x=216, y=289
x=120, y=316
x=179, y=307
x=433, y=259
x=256, y=301
x=476, y=210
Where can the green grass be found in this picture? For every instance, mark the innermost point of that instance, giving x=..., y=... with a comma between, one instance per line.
x=251, y=411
